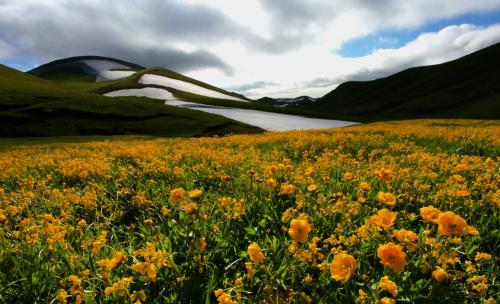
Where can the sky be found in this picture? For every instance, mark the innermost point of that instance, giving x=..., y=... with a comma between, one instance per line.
x=277, y=48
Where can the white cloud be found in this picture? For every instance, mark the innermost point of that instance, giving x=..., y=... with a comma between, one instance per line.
x=235, y=43
x=5, y=49
x=316, y=71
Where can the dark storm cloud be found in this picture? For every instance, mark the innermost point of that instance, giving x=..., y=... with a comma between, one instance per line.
x=141, y=32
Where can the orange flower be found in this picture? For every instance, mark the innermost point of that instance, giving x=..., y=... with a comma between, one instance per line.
x=299, y=229
x=386, y=198
x=430, y=214
x=384, y=218
x=271, y=182
x=365, y=187
x=342, y=267
x=384, y=174
x=386, y=300
x=348, y=176
x=195, y=194
x=312, y=188
x=177, y=195
x=451, y=223
x=440, y=275
x=392, y=256
x=115, y=261
x=287, y=189
x=462, y=193
x=408, y=238
x=254, y=253
x=389, y=286
x=191, y=208
x=250, y=270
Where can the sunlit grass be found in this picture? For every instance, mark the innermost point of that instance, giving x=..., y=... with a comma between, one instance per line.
x=326, y=216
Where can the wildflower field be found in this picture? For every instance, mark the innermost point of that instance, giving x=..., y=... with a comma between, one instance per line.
x=380, y=213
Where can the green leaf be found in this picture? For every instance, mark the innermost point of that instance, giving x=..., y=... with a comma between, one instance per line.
x=250, y=231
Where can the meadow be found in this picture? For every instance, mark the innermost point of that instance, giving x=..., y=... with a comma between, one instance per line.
x=389, y=212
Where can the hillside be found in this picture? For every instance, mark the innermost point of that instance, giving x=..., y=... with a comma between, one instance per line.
x=467, y=87
x=76, y=74
x=300, y=101
x=31, y=106
x=95, y=73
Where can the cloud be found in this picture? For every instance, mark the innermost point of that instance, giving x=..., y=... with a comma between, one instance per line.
x=447, y=44
x=252, y=86
x=139, y=32
x=256, y=47
x=5, y=49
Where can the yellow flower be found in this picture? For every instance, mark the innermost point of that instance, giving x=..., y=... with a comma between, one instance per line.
x=365, y=187
x=114, y=262
x=270, y=182
x=392, y=256
x=177, y=195
x=312, y=188
x=348, y=176
x=384, y=173
x=191, y=208
x=482, y=256
x=440, y=275
x=238, y=281
x=109, y=290
x=195, y=194
x=362, y=295
x=451, y=223
x=255, y=253
x=384, y=218
x=299, y=229
x=201, y=244
x=478, y=284
x=287, y=189
x=61, y=296
x=342, y=267
x=408, y=238
x=430, y=214
x=250, y=270
x=462, y=193
x=386, y=300
x=389, y=286
x=386, y=198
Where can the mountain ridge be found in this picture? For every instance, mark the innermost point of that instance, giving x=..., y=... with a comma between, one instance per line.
x=466, y=87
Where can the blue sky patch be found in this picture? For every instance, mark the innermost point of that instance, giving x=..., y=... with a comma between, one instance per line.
x=393, y=39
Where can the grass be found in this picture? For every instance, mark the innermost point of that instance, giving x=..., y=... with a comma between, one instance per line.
x=31, y=106
x=196, y=220
x=75, y=80
x=463, y=88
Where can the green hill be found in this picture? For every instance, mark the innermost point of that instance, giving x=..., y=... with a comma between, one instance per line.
x=74, y=75
x=468, y=87
x=31, y=106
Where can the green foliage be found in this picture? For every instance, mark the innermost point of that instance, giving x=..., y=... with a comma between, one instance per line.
x=463, y=88
x=31, y=106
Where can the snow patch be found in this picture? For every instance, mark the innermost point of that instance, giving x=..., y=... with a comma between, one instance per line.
x=104, y=69
x=184, y=86
x=144, y=92
x=265, y=120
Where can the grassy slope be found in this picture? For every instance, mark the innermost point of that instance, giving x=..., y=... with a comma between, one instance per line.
x=79, y=82
x=30, y=106
x=463, y=88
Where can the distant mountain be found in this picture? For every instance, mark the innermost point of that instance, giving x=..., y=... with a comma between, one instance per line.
x=32, y=106
x=300, y=101
x=113, y=77
x=91, y=68
x=468, y=87
x=75, y=71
